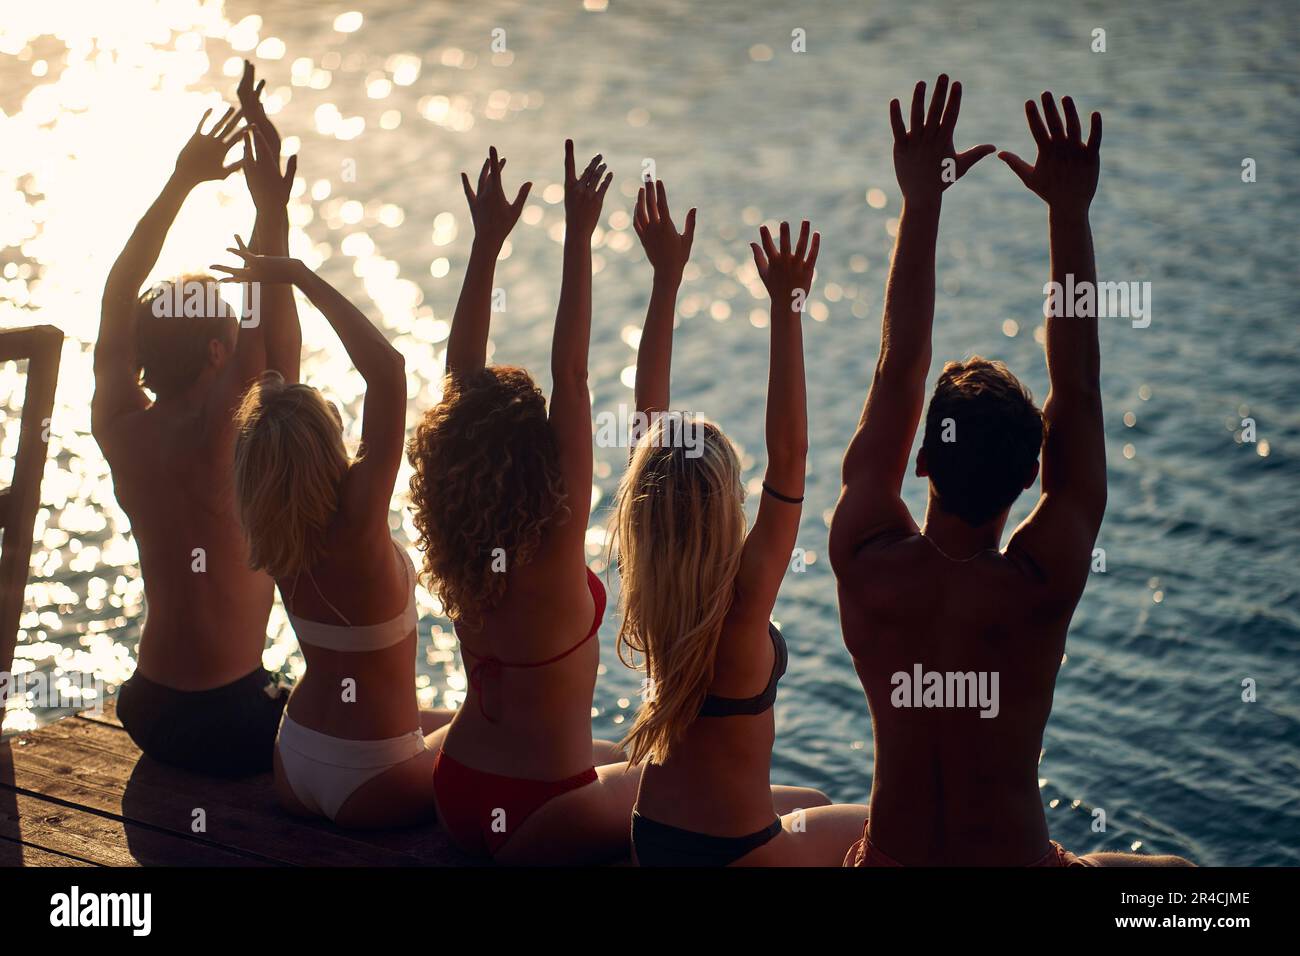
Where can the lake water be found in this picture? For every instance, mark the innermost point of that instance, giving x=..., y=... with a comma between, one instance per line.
x=1202, y=533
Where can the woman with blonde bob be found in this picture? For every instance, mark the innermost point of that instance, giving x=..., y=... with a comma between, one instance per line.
x=698, y=591
x=502, y=489
x=352, y=744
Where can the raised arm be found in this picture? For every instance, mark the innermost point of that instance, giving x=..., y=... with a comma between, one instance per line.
x=570, y=411
x=269, y=336
x=270, y=192
x=926, y=163
x=788, y=276
x=383, y=419
x=1058, y=536
x=668, y=251
x=494, y=216
x=117, y=389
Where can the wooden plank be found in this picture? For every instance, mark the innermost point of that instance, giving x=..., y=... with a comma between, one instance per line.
x=96, y=765
x=19, y=854
x=57, y=828
x=108, y=717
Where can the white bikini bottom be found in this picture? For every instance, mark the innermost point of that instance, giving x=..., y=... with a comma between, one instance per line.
x=323, y=771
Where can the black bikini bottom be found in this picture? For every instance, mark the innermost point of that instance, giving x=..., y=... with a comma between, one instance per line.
x=658, y=844
x=227, y=731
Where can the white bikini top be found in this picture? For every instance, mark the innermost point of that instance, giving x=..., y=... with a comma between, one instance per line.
x=358, y=637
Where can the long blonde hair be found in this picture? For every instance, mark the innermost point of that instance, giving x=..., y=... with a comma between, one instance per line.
x=290, y=462
x=679, y=528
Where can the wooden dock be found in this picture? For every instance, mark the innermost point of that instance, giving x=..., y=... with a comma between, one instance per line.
x=80, y=793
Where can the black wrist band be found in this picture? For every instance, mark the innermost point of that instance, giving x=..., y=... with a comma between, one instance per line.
x=780, y=497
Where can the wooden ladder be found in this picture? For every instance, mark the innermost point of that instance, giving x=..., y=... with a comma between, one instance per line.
x=41, y=346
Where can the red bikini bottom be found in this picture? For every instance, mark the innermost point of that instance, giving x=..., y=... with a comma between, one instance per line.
x=481, y=810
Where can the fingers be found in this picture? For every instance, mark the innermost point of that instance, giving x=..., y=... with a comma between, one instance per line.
x=918, y=107
x=689, y=235
x=469, y=193
x=202, y=119
x=785, y=238
x=652, y=203
x=227, y=170
x=1036, y=127
x=641, y=216
x=1094, y=133
x=769, y=248
x=812, y=253
x=521, y=197
x=802, y=245
x=896, y=120
x=949, y=121
x=1018, y=166
x=227, y=123
x=291, y=169
x=483, y=174
x=569, y=174
x=494, y=162
x=1071, y=120
x=1052, y=116
x=760, y=259
x=968, y=158
x=604, y=186
x=662, y=195
x=937, y=102
x=217, y=126
x=591, y=175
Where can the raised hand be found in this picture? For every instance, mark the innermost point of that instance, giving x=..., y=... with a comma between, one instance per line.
x=269, y=189
x=250, y=102
x=787, y=274
x=203, y=157
x=249, y=95
x=666, y=248
x=493, y=214
x=583, y=195
x=269, y=269
x=1065, y=173
x=925, y=160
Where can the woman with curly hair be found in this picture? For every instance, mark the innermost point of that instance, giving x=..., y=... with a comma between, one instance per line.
x=501, y=491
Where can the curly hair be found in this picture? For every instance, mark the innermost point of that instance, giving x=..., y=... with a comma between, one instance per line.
x=487, y=486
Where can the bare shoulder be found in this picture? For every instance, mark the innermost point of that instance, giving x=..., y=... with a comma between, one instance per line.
x=883, y=564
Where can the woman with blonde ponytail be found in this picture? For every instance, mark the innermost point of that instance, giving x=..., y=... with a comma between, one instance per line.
x=698, y=591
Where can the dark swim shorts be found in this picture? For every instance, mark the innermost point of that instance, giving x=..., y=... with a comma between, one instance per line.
x=226, y=731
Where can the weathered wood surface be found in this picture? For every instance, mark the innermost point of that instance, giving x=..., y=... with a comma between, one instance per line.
x=79, y=793
x=40, y=346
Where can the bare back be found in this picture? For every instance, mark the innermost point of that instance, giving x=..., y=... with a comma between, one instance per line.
x=206, y=610
x=532, y=721
x=951, y=785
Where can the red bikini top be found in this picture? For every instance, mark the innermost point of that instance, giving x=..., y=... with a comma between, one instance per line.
x=494, y=664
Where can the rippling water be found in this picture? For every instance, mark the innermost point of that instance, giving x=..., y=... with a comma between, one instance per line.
x=1203, y=530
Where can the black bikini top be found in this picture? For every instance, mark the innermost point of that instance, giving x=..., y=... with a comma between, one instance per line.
x=715, y=706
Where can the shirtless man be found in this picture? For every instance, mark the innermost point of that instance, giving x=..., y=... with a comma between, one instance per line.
x=955, y=778
x=199, y=698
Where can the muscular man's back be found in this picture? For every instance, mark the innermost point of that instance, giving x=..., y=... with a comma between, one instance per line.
x=957, y=783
